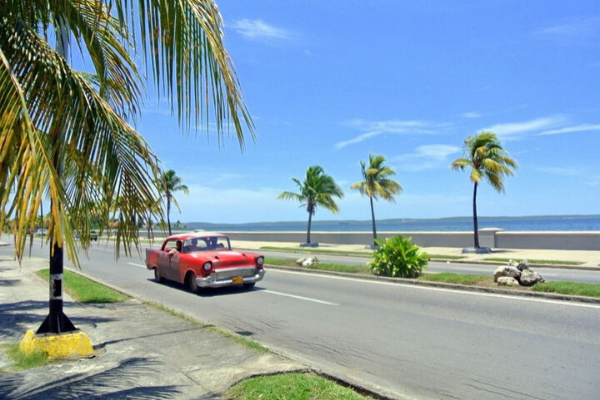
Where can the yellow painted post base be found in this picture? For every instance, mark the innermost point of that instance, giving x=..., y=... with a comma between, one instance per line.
x=64, y=345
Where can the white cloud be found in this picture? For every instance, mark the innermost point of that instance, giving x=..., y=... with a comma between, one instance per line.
x=396, y=127
x=358, y=139
x=571, y=129
x=471, y=115
x=426, y=157
x=562, y=171
x=258, y=29
x=576, y=27
x=515, y=130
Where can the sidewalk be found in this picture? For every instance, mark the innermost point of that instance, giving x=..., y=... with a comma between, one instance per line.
x=140, y=352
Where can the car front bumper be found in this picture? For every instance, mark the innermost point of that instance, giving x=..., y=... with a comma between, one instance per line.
x=216, y=279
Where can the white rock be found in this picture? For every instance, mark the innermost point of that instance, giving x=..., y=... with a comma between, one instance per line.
x=507, y=281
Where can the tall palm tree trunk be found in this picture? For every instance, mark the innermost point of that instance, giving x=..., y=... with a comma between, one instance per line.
x=169, y=214
x=308, y=230
x=373, y=222
x=475, y=224
x=56, y=321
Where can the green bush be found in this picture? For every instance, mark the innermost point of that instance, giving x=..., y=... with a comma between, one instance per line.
x=398, y=257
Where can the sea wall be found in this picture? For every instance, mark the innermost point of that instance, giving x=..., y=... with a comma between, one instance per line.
x=490, y=237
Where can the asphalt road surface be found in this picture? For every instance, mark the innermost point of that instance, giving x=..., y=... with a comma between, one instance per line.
x=417, y=342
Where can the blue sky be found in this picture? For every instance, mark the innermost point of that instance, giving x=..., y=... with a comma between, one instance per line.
x=329, y=82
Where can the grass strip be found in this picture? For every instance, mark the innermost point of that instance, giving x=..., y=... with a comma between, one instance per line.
x=21, y=361
x=367, y=253
x=351, y=269
x=569, y=288
x=549, y=262
x=292, y=386
x=458, y=279
x=84, y=290
x=445, y=257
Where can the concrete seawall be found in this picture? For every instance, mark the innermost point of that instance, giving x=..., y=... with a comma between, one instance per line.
x=489, y=237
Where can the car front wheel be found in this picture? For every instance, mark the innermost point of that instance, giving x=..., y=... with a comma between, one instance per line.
x=249, y=285
x=192, y=284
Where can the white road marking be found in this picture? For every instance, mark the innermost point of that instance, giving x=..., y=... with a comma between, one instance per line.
x=419, y=287
x=300, y=297
x=137, y=265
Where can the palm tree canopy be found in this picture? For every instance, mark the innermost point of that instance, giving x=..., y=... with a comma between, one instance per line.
x=317, y=189
x=487, y=160
x=66, y=135
x=171, y=184
x=377, y=182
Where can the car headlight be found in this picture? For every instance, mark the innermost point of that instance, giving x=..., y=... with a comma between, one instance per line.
x=260, y=260
x=207, y=266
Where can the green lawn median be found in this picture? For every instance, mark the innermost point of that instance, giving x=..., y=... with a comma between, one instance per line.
x=292, y=386
x=83, y=290
x=558, y=287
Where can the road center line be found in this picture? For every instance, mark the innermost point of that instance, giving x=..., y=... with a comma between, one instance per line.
x=454, y=291
x=137, y=265
x=300, y=297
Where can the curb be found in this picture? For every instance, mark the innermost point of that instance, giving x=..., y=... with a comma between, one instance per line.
x=466, y=288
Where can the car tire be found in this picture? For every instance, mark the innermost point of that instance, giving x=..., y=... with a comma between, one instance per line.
x=157, y=277
x=192, y=284
x=249, y=285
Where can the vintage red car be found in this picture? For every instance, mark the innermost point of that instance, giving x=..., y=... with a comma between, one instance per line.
x=203, y=260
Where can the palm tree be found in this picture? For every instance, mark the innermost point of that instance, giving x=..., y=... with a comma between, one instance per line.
x=377, y=183
x=317, y=189
x=171, y=184
x=487, y=159
x=68, y=134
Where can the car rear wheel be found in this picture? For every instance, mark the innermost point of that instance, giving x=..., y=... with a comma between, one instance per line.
x=157, y=277
x=249, y=285
x=192, y=284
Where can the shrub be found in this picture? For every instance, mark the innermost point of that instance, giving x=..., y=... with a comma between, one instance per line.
x=398, y=257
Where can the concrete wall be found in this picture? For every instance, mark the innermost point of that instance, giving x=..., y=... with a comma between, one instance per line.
x=490, y=237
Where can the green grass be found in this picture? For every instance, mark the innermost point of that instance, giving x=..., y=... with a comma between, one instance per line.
x=569, y=288
x=444, y=257
x=549, y=262
x=22, y=361
x=84, y=290
x=293, y=386
x=352, y=269
x=367, y=253
x=459, y=279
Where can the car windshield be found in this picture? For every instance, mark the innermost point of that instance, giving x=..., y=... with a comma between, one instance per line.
x=206, y=243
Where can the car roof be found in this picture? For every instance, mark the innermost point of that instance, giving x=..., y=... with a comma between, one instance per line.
x=191, y=235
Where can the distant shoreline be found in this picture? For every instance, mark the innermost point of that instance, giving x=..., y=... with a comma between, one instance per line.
x=448, y=224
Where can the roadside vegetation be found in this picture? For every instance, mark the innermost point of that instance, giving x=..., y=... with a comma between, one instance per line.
x=21, y=361
x=84, y=290
x=366, y=253
x=547, y=262
x=292, y=386
x=398, y=257
x=558, y=287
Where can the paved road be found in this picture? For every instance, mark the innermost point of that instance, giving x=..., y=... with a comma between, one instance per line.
x=550, y=274
x=419, y=342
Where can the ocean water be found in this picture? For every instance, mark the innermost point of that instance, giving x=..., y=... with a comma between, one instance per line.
x=459, y=224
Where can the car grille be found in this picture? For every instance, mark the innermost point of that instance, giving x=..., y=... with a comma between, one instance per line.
x=232, y=272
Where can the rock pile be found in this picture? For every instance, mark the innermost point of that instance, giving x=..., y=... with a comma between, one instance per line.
x=517, y=274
